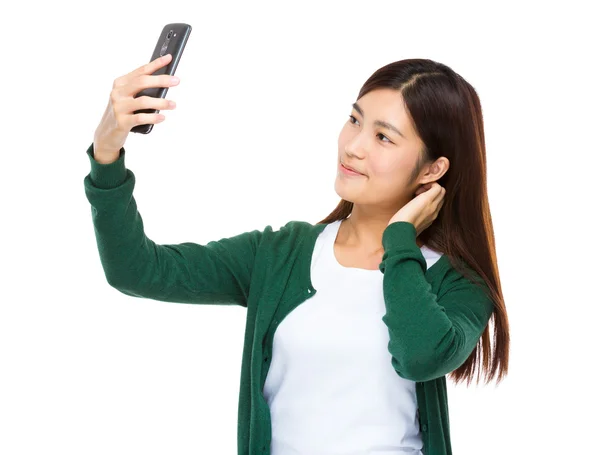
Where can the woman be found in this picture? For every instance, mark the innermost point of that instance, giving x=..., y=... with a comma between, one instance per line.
x=352, y=323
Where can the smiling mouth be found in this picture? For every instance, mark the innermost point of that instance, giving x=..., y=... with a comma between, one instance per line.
x=351, y=170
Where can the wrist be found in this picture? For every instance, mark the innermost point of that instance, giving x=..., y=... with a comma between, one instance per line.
x=104, y=156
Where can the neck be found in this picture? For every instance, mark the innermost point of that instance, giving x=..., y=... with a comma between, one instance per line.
x=365, y=231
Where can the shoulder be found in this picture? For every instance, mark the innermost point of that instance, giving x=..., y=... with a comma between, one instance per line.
x=448, y=272
x=454, y=278
x=294, y=232
x=297, y=228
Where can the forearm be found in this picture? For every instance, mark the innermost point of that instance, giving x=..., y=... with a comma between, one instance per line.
x=429, y=336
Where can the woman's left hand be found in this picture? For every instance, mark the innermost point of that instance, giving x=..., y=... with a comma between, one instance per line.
x=423, y=209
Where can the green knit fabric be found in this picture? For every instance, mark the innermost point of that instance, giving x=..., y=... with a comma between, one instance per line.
x=434, y=316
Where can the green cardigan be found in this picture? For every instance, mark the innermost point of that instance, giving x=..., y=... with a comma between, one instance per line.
x=434, y=316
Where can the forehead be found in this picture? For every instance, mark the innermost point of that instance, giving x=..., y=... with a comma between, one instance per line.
x=385, y=104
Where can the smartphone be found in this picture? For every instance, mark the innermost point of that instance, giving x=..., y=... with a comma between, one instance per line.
x=172, y=41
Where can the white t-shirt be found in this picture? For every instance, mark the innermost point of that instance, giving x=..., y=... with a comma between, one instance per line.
x=331, y=386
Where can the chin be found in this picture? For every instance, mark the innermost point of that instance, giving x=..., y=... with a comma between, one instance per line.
x=346, y=195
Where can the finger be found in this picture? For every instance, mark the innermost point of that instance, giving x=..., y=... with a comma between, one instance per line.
x=430, y=185
x=439, y=190
x=146, y=102
x=143, y=119
x=147, y=81
x=439, y=198
x=437, y=186
x=151, y=67
x=435, y=191
x=435, y=199
x=148, y=68
x=423, y=188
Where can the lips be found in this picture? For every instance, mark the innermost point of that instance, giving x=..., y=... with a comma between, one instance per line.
x=351, y=168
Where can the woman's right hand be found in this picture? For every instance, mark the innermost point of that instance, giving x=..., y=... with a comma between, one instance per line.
x=118, y=119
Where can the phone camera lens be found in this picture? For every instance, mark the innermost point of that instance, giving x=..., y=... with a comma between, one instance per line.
x=170, y=34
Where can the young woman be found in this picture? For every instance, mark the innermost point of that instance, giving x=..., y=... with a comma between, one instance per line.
x=354, y=322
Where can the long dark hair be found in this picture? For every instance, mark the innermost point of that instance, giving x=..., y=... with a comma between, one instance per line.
x=446, y=114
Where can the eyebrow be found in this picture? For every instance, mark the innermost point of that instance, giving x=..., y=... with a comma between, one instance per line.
x=383, y=124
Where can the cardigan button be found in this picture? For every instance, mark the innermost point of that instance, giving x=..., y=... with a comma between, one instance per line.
x=424, y=427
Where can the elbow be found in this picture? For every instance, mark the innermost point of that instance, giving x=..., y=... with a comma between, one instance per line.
x=114, y=281
x=427, y=364
x=417, y=369
x=120, y=285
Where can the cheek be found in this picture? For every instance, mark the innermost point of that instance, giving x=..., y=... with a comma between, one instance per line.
x=390, y=174
x=387, y=169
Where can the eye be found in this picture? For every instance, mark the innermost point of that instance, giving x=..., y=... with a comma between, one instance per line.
x=379, y=134
x=352, y=119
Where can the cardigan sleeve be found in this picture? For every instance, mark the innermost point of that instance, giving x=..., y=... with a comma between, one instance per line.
x=216, y=273
x=430, y=336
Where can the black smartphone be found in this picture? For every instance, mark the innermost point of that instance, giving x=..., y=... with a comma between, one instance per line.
x=172, y=41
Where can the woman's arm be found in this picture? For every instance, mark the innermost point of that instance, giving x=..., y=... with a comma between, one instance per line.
x=216, y=273
x=430, y=336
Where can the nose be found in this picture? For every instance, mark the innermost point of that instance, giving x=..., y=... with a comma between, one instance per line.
x=355, y=145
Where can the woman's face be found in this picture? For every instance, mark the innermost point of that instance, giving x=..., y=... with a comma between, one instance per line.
x=386, y=157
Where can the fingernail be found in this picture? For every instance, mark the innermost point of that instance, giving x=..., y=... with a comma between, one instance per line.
x=175, y=80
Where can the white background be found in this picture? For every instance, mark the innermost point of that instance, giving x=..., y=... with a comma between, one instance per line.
x=265, y=89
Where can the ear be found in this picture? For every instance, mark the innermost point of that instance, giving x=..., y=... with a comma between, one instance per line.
x=435, y=170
